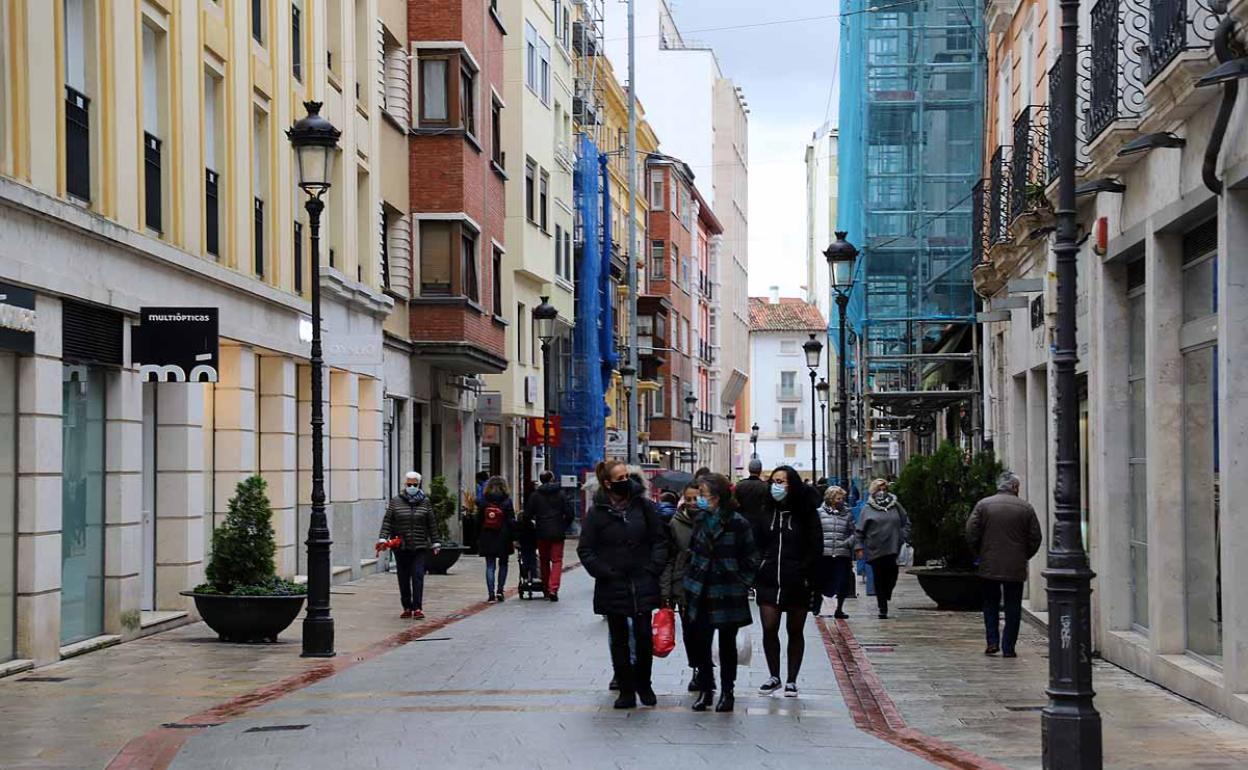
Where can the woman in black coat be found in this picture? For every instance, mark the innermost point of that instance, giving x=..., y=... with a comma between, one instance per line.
x=624, y=548
x=497, y=534
x=791, y=544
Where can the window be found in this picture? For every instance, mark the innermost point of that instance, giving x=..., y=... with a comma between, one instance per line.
x=1137, y=470
x=790, y=450
x=563, y=24
x=520, y=332
x=496, y=281
x=257, y=21
x=657, y=400
x=435, y=258
x=433, y=101
x=154, y=111
x=333, y=37
x=385, y=247
x=788, y=383
x=365, y=55
x=296, y=41
x=569, y=271
x=788, y=347
x=530, y=190
x=559, y=251
x=259, y=186
x=656, y=191
x=658, y=262
x=298, y=267
x=214, y=153
x=496, y=132
x=788, y=420
x=79, y=46
x=544, y=201
x=531, y=63
x=467, y=100
x=543, y=53
x=675, y=262
x=468, y=264
x=535, y=344
x=677, y=394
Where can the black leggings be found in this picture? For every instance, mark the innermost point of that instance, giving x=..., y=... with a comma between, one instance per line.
x=795, y=624
x=885, y=570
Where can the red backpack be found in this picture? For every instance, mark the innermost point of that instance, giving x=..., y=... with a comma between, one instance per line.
x=492, y=517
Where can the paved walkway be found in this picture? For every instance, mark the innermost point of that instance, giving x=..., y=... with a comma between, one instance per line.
x=933, y=667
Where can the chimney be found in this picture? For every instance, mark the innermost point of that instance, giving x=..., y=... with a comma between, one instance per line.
x=775, y=295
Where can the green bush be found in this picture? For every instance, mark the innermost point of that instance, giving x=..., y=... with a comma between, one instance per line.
x=939, y=491
x=444, y=506
x=243, y=548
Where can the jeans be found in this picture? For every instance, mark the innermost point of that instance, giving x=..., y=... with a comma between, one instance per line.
x=625, y=632
x=411, y=569
x=885, y=569
x=992, y=592
x=495, y=564
x=702, y=631
x=550, y=560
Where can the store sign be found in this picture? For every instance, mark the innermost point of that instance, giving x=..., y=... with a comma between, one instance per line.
x=17, y=319
x=491, y=434
x=176, y=344
x=490, y=406
x=553, y=430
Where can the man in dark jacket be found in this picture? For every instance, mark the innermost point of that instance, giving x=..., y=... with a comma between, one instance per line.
x=550, y=514
x=1004, y=533
x=752, y=495
x=409, y=517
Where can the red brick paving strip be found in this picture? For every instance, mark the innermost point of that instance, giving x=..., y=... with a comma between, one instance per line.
x=156, y=749
x=874, y=712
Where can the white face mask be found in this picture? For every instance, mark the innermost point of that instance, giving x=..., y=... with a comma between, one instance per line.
x=778, y=491
x=412, y=489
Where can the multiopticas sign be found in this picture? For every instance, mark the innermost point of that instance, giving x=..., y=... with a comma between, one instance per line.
x=176, y=344
x=17, y=319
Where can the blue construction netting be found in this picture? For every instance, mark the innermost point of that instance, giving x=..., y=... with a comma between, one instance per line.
x=583, y=409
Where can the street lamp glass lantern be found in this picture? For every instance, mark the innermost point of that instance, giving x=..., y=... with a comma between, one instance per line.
x=628, y=375
x=813, y=348
x=754, y=432
x=822, y=389
x=841, y=255
x=691, y=402
x=315, y=140
x=545, y=315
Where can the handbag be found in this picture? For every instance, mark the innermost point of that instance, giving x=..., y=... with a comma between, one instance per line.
x=663, y=632
x=905, y=557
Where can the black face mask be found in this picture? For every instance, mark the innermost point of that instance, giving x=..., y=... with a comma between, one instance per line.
x=621, y=488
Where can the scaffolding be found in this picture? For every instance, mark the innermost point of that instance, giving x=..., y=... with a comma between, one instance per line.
x=910, y=154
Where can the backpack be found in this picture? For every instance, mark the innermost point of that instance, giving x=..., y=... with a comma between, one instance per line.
x=492, y=517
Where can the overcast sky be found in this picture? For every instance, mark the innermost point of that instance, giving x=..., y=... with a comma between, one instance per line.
x=784, y=57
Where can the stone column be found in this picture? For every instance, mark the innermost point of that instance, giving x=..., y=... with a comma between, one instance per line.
x=344, y=463
x=372, y=487
x=1039, y=491
x=1163, y=388
x=123, y=501
x=278, y=414
x=180, y=545
x=39, y=458
x=234, y=412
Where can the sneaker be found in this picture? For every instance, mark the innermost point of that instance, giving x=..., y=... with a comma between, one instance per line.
x=418, y=615
x=406, y=614
x=501, y=597
x=770, y=686
x=790, y=690
x=646, y=696
x=491, y=600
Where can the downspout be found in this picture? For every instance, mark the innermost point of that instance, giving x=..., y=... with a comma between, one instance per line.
x=1226, y=48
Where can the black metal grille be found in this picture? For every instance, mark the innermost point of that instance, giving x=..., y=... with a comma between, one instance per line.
x=77, y=144
x=257, y=20
x=258, y=239
x=1057, y=116
x=1020, y=164
x=298, y=257
x=385, y=249
x=1103, y=109
x=91, y=334
x=152, y=182
x=212, y=212
x=977, y=222
x=998, y=197
x=1167, y=34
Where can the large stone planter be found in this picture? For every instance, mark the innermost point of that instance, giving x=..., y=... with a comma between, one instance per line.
x=247, y=618
x=441, y=562
x=950, y=589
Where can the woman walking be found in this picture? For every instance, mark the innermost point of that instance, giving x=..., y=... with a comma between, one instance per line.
x=882, y=529
x=409, y=517
x=722, y=563
x=836, y=566
x=785, y=582
x=497, y=536
x=672, y=581
x=624, y=548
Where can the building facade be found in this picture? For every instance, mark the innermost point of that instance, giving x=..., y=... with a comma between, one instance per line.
x=822, y=172
x=782, y=402
x=144, y=163
x=1161, y=341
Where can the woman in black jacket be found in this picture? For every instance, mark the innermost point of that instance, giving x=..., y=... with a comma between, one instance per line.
x=623, y=547
x=497, y=535
x=792, y=542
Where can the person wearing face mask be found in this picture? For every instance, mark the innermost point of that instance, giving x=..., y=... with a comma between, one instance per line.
x=836, y=570
x=409, y=517
x=722, y=562
x=882, y=529
x=672, y=581
x=792, y=543
x=624, y=548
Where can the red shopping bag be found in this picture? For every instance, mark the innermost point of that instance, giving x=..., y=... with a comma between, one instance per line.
x=663, y=632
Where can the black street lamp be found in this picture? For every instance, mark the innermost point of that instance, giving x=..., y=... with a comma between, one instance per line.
x=1070, y=726
x=628, y=376
x=315, y=141
x=691, y=406
x=754, y=441
x=841, y=255
x=813, y=348
x=822, y=389
x=545, y=315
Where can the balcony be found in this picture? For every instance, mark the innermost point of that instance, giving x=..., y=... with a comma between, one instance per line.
x=795, y=429
x=77, y=144
x=1175, y=26
x=1117, y=91
x=789, y=394
x=978, y=225
x=584, y=38
x=998, y=197
x=1027, y=163
x=1057, y=116
x=152, y=176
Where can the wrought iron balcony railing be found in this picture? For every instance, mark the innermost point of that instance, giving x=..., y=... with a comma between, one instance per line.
x=152, y=180
x=1027, y=164
x=979, y=223
x=1117, y=84
x=77, y=144
x=1176, y=26
x=1056, y=115
x=999, y=196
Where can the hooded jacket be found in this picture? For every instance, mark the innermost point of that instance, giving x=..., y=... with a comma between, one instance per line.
x=410, y=518
x=549, y=512
x=883, y=527
x=791, y=544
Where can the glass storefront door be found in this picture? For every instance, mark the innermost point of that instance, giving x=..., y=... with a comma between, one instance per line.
x=8, y=503
x=1200, y=502
x=82, y=504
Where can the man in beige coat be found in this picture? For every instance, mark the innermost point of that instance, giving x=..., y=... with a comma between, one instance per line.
x=1004, y=533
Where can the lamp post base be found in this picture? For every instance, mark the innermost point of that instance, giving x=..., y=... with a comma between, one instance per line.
x=318, y=638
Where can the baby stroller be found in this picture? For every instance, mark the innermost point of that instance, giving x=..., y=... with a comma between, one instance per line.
x=530, y=581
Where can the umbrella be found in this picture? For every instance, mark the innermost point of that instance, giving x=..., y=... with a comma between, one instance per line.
x=672, y=481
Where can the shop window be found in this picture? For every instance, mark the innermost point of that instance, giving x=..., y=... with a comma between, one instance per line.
x=1137, y=490
x=8, y=504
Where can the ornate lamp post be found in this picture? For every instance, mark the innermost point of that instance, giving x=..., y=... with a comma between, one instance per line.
x=754, y=441
x=628, y=376
x=315, y=141
x=822, y=389
x=1070, y=726
x=841, y=255
x=731, y=417
x=691, y=402
x=545, y=315
x=813, y=349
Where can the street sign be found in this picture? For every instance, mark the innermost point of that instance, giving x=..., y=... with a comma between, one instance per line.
x=553, y=430
x=176, y=344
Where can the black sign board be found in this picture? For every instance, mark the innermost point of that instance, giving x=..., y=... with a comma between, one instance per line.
x=17, y=319
x=176, y=344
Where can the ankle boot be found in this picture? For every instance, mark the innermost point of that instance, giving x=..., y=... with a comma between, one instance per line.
x=704, y=701
x=726, y=702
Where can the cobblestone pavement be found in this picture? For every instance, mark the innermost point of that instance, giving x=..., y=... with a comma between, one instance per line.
x=524, y=685
x=933, y=667
x=113, y=695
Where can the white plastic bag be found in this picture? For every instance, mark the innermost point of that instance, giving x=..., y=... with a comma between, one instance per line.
x=905, y=558
x=745, y=648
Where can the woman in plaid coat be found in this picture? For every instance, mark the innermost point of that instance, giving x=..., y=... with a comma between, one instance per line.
x=722, y=563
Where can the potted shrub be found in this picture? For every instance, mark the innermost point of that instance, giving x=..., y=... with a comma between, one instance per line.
x=444, y=509
x=939, y=491
x=242, y=598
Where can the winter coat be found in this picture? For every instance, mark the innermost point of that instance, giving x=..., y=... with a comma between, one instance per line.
x=883, y=527
x=672, y=581
x=625, y=552
x=753, y=496
x=410, y=518
x=549, y=512
x=723, y=560
x=837, y=525
x=793, y=541
x=497, y=542
x=1004, y=532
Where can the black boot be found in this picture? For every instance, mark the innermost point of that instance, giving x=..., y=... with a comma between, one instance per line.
x=645, y=693
x=726, y=702
x=704, y=701
x=627, y=700
x=695, y=682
